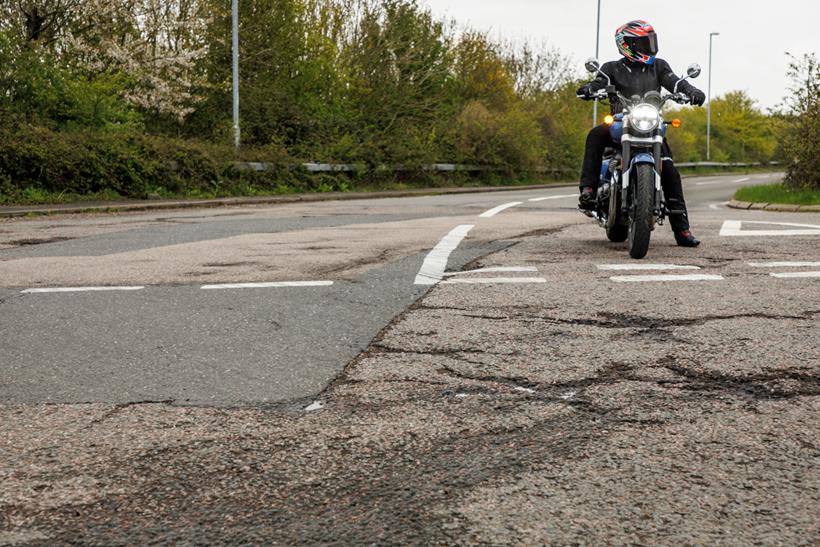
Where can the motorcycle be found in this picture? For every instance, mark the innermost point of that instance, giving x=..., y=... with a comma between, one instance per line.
x=629, y=203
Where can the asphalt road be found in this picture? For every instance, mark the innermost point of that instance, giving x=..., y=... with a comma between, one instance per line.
x=468, y=369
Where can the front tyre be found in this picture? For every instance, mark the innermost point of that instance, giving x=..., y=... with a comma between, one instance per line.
x=641, y=218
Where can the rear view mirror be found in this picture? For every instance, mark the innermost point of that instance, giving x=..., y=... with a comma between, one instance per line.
x=592, y=65
x=693, y=71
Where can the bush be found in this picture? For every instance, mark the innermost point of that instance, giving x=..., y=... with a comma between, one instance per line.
x=37, y=159
x=801, y=132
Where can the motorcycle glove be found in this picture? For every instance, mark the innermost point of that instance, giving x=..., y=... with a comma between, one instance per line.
x=697, y=96
x=584, y=92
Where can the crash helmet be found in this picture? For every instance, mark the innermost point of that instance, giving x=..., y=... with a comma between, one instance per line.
x=637, y=41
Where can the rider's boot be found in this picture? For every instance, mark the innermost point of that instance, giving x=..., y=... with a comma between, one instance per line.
x=686, y=239
x=587, y=199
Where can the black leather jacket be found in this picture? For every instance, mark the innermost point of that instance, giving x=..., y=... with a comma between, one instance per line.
x=633, y=78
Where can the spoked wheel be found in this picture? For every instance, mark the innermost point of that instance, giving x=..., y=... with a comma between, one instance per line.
x=641, y=218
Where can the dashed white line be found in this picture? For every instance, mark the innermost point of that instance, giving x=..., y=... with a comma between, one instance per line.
x=432, y=270
x=784, y=264
x=641, y=266
x=796, y=275
x=79, y=289
x=274, y=285
x=655, y=278
x=493, y=280
x=718, y=206
x=494, y=211
x=723, y=181
x=553, y=197
x=500, y=269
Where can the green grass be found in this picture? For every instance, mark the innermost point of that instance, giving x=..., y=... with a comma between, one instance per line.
x=778, y=193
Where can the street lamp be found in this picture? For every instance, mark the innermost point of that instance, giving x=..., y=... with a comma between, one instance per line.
x=235, y=45
x=597, y=51
x=709, y=103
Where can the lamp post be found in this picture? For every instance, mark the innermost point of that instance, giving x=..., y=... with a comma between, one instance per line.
x=597, y=52
x=235, y=46
x=709, y=102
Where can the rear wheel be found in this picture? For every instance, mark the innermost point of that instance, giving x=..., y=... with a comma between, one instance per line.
x=616, y=230
x=640, y=213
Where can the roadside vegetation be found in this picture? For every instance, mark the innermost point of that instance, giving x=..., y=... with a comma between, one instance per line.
x=799, y=140
x=129, y=98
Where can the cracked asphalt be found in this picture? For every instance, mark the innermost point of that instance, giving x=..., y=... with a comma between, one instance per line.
x=575, y=411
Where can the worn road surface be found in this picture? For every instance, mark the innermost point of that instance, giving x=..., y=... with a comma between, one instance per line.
x=470, y=369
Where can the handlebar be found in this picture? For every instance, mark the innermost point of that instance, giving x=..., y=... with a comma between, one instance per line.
x=601, y=94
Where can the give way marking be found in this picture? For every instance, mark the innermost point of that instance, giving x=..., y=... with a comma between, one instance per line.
x=734, y=228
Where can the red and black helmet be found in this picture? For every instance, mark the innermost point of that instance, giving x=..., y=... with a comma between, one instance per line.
x=637, y=42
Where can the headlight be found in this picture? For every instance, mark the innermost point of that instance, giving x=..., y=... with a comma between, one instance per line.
x=645, y=117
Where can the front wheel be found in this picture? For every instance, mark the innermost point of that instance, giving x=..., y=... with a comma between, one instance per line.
x=641, y=218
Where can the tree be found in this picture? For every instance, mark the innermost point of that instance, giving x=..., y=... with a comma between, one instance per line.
x=801, y=131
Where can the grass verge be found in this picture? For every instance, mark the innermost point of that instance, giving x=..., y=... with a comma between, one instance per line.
x=778, y=193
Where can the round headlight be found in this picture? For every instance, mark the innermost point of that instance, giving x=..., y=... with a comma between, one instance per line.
x=645, y=117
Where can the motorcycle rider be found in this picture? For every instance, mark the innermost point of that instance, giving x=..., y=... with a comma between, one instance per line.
x=638, y=72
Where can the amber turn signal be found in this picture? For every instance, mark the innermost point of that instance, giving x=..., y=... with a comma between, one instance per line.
x=609, y=120
x=676, y=123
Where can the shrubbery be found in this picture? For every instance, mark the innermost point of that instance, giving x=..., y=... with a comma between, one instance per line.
x=119, y=96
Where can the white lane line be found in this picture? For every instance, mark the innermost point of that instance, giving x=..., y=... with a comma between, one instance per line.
x=553, y=197
x=432, y=270
x=718, y=206
x=734, y=228
x=493, y=280
x=796, y=275
x=314, y=407
x=80, y=289
x=641, y=266
x=494, y=211
x=722, y=182
x=274, y=285
x=501, y=269
x=651, y=278
x=784, y=264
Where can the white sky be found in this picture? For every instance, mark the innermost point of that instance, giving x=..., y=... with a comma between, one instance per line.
x=749, y=53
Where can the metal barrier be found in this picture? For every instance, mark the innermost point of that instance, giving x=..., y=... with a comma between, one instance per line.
x=452, y=167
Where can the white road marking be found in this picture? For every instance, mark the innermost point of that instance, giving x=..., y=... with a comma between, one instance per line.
x=273, y=285
x=796, y=275
x=432, y=270
x=784, y=264
x=493, y=280
x=525, y=390
x=735, y=228
x=723, y=181
x=80, y=289
x=569, y=395
x=314, y=407
x=492, y=212
x=553, y=197
x=510, y=269
x=462, y=395
x=653, y=278
x=641, y=266
x=718, y=206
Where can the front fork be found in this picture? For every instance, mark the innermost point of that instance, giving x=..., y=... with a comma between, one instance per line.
x=657, y=154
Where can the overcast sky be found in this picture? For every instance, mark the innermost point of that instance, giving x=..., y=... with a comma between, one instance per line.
x=749, y=53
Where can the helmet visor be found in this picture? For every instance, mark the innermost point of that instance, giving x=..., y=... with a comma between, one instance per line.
x=644, y=45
